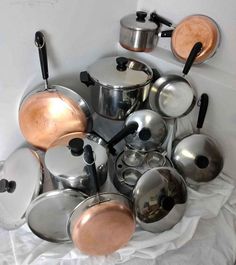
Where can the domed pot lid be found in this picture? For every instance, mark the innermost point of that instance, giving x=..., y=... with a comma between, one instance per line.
x=156, y=193
x=65, y=157
x=20, y=183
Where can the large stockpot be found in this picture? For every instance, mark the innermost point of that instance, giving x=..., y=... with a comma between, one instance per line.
x=160, y=199
x=49, y=112
x=118, y=85
x=102, y=223
x=64, y=159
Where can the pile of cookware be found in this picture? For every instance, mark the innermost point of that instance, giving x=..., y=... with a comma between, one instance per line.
x=58, y=184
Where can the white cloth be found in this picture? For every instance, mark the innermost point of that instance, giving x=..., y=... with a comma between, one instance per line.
x=205, y=235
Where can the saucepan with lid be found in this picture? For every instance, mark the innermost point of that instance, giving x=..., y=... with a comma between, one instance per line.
x=198, y=157
x=64, y=159
x=49, y=112
x=119, y=85
x=102, y=223
x=160, y=198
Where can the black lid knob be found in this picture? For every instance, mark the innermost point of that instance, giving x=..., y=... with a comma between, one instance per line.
x=8, y=186
x=76, y=146
x=141, y=15
x=167, y=202
x=121, y=63
x=201, y=161
x=145, y=134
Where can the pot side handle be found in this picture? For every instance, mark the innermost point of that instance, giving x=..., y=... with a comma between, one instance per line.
x=158, y=19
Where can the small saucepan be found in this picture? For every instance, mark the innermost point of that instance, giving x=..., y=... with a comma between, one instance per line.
x=50, y=112
x=102, y=223
x=198, y=157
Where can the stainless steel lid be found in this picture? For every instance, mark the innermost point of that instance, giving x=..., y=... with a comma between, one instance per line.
x=138, y=21
x=156, y=194
x=120, y=72
x=198, y=157
x=48, y=214
x=21, y=180
x=63, y=161
x=151, y=132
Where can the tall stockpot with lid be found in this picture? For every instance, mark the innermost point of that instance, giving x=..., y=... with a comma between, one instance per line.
x=118, y=85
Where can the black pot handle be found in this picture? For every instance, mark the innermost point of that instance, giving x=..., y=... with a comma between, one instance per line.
x=155, y=75
x=91, y=168
x=166, y=33
x=86, y=79
x=127, y=130
x=204, y=101
x=192, y=56
x=158, y=19
x=40, y=42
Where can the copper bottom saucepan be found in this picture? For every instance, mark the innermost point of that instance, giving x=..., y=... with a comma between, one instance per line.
x=48, y=113
x=102, y=223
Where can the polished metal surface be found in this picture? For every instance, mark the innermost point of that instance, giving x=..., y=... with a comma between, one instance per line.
x=198, y=157
x=192, y=29
x=138, y=36
x=132, y=157
x=23, y=167
x=116, y=94
x=153, y=123
x=125, y=176
x=159, y=197
x=70, y=169
x=172, y=96
x=102, y=224
x=48, y=214
x=45, y=115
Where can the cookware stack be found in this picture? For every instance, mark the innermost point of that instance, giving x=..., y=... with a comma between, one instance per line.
x=60, y=183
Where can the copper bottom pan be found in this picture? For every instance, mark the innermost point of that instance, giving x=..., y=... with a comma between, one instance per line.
x=103, y=228
x=196, y=28
x=45, y=116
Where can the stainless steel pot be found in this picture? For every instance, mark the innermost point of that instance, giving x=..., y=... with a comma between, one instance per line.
x=144, y=130
x=160, y=198
x=131, y=164
x=118, y=85
x=64, y=159
x=198, y=157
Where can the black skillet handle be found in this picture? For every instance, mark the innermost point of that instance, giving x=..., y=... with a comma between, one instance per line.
x=91, y=167
x=127, y=130
x=166, y=33
x=158, y=19
x=40, y=42
x=204, y=100
x=192, y=56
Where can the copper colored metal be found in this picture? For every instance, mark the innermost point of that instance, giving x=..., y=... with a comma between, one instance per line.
x=103, y=228
x=47, y=115
x=196, y=28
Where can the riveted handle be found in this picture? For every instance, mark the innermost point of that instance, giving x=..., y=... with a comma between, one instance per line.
x=166, y=33
x=40, y=43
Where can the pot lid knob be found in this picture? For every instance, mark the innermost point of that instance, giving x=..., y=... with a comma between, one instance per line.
x=141, y=15
x=8, y=186
x=167, y=202
x=145, y=134
x=76, y=146
x=121, y=63
x=201, y=161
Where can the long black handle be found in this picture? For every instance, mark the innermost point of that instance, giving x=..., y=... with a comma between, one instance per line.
x=127, y=130
x=204, y=101
x=41, y=44
x=166, y=33
x=91, y=167
x=158, y=19
x=192, y=56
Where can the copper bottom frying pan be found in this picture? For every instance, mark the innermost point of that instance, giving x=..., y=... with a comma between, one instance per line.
x=102, y=224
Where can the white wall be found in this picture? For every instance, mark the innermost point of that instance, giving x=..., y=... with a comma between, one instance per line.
x=77, y=32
